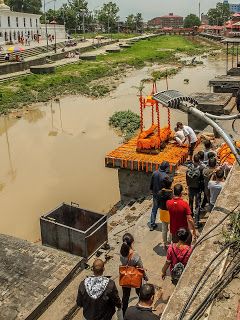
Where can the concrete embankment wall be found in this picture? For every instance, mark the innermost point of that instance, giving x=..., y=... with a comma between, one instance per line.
x=212, y=36
x=11, y=67
x=205, y=252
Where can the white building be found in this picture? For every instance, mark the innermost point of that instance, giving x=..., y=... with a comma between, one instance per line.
x=14, y=25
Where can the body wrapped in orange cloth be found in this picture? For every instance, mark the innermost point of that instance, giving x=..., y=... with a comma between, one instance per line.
x=149, y=139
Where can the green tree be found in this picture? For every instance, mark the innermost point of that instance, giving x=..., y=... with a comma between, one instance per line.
x=139, y=22
x=79, y=8
x=134, y=22
x=191, y=20
x=130, y=22
x=218, y=15
x=29, y=6
x=108, y=16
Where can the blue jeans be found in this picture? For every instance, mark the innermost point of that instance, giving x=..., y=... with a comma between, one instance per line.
x=154, y=211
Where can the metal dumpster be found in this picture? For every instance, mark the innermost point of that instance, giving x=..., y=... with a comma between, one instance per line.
x=75, y=230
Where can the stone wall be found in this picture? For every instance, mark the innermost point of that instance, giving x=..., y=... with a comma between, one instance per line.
x=12, y=67
x=133, y=184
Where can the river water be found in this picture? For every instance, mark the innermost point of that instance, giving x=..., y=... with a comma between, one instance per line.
x=55, y=152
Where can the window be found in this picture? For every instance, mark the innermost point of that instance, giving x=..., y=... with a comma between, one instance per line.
x=30, y=22
x=17, y=21
x=9, y=22
x=24, y=22
x=36, y=22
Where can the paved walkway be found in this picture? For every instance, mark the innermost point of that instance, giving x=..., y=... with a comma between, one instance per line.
x=61, y=62
x=130, y=219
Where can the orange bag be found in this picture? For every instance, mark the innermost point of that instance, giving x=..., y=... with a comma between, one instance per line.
x=130, y=277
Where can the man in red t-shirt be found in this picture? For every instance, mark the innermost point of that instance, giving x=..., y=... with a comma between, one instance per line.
x=180, y=214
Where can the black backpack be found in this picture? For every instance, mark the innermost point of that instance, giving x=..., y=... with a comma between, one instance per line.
x=193, y=177
x=178, y=268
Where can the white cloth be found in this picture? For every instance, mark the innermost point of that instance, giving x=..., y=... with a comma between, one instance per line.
x=188, y=132
x=179, y=137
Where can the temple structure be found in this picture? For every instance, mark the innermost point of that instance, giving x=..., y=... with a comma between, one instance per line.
x=14, y=25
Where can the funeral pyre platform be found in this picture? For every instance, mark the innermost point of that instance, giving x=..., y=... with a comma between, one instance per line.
x=127, y=157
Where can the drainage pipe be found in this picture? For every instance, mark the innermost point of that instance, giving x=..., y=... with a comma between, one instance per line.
x=226, y=137
x=232, y=117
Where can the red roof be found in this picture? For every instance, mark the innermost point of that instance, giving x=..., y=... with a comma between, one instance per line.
x=236, y=14
x=229, y=24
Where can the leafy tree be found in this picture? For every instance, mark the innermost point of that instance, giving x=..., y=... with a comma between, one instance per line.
x=79, y=9
x=108, y=16
x=191, y=20
x=213, y=16
x=71, y=14
x=135, y=23
x=29, y=6
x=130, y=22
x=220, y=14
x=139, y=22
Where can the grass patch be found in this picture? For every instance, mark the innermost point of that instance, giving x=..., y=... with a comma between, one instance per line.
x=127, y=122
x=157, y=75
x=152, y=51
x=77, y=78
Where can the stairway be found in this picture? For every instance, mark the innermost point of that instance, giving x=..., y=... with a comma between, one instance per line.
x=126, y=216
x=35, y=51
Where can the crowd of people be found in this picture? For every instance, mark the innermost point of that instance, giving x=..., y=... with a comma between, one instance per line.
x=180, y=219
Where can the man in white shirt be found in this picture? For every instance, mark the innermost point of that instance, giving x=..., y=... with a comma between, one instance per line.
x=190, y=136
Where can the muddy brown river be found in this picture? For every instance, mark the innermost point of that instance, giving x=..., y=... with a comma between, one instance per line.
x=55, y=152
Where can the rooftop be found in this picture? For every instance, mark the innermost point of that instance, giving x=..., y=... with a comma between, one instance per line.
x=170, y=15
x=29, y=273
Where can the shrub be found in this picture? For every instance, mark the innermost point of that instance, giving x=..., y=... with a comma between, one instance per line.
x=125, y=121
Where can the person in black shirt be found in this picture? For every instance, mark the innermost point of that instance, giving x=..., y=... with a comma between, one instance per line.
x=98, y=295
x=155, y=186
x=143, y=310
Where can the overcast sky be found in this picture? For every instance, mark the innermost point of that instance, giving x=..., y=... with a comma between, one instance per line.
x=154, y=8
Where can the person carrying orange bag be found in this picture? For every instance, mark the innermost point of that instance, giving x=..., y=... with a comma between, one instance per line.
x=131, y=272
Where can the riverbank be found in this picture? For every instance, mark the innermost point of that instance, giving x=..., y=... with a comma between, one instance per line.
x=83, y=77
x=59, y=147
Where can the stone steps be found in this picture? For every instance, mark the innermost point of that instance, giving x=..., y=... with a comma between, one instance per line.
x=36, y=51
x=127, y=217
x=230, y=106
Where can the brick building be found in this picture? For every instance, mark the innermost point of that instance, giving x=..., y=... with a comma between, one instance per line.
x=167, y=21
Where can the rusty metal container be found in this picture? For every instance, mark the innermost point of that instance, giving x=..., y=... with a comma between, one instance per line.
x=74, y=230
